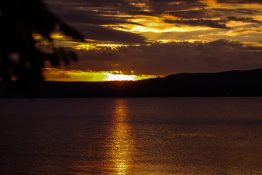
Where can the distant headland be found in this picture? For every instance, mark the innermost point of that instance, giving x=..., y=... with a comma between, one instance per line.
x=223, y=84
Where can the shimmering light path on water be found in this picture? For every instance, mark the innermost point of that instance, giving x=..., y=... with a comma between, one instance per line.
x=121, y=140
x=147, y=136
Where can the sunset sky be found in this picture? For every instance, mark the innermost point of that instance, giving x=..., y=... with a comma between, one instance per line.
x=138, y=39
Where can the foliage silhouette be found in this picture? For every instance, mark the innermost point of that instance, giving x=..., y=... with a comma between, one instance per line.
x=22, y=56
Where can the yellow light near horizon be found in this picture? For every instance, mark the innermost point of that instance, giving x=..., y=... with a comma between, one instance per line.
x=120, y=77
x=53, y=74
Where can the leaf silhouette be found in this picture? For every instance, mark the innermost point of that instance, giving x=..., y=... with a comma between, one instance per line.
x=19, y=21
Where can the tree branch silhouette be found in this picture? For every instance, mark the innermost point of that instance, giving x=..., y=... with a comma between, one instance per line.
x=22, y=56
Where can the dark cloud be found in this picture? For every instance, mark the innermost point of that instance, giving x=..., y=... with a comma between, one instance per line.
x=246, y=19
x=201, y=22
x=104, y=6
x=102, y=33
x=220, y=55
x=192, y=13
x=233, y=11
x=239, y=1
x=189, y=18
x=90, y=22
x=89, y=17
x=169, y=6
x=197, y=13
x=213, y=13
x=189, y=14
x=205, y=17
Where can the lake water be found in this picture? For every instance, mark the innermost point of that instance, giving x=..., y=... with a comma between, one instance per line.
x=136, y=136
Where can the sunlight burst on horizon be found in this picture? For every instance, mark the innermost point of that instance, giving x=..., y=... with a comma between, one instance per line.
x=120, y=77
x=52, y=74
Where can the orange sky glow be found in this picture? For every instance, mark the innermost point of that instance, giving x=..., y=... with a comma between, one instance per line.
x=135, y=40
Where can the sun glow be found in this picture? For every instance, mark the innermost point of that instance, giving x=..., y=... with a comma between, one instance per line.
x=120, y=77
x=52, y=74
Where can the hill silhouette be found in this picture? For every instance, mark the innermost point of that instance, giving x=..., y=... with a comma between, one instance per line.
x=231, y=83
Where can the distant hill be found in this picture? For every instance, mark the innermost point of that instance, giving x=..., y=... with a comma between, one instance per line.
x=231, y=83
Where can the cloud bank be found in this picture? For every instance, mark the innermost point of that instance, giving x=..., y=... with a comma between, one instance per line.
x=176, y=57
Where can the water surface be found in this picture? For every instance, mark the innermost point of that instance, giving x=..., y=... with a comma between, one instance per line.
x=154, y=136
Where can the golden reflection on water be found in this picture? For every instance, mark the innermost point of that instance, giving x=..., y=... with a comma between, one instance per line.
x=121, y=147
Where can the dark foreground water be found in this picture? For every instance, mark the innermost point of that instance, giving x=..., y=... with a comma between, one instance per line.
x=156, y=136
